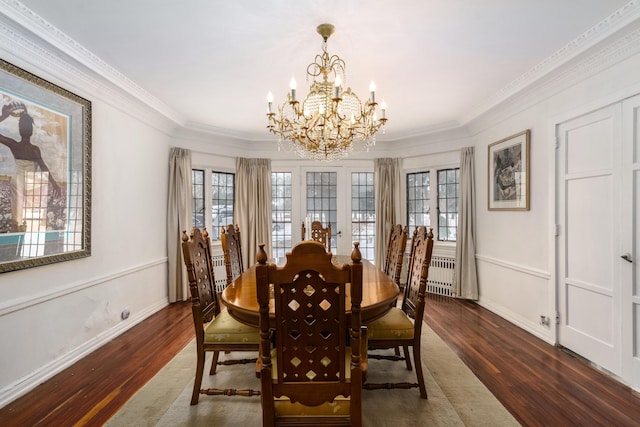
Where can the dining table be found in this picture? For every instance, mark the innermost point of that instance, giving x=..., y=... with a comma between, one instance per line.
x=379, y=293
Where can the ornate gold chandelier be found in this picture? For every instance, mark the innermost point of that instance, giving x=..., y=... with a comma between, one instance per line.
x=330, y=119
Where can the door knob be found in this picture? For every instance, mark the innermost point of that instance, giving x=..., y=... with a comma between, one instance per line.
x=626, y=257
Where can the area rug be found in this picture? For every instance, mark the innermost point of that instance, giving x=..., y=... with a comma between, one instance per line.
x=456, y=396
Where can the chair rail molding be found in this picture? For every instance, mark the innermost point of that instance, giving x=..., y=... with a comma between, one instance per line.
x=515, y=267
x=14, y=305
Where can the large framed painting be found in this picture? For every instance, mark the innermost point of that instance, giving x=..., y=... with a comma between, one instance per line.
x=508, y=177
x=45, y=172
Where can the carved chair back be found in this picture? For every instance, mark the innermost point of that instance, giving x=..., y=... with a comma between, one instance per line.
x=395, y=252
x=421, y=251
x=232, y=250
x=310, y=329
x=197, y=257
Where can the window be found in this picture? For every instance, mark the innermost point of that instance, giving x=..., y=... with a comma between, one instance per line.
x=281, y=193
x=322, y=195
x=212, y=195
x=448, y=185
x=418, y=190
x=423, y=200
x=222, y=195
x=363, y=213
x=197, y=198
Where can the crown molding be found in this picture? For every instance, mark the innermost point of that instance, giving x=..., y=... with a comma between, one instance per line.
x=560, y=67
x=606, y=28
x=51, y=35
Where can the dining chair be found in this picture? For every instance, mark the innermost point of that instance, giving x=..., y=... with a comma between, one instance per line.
x=216, y=331
x=313, y=374
x=232, y=251
x=402, y=327
x=395, y=252
x=318, y=233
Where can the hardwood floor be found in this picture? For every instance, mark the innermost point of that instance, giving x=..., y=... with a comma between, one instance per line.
x=539, y=384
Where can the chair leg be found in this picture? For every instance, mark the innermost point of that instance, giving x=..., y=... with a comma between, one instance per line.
x=214, y=363
x=407, y=359
x=198, y=381
x=419, y=374
x=397, y=351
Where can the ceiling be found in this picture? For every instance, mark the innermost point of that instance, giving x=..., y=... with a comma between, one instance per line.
x=209, y=64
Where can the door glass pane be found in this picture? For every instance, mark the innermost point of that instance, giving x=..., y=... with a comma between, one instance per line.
x=363, y=214
x=321, y=200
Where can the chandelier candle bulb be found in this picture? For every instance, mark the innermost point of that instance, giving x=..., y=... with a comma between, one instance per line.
x=293, y=89
x=372, y=88
x=337, y=83
x=269, y=101
x=383, y=107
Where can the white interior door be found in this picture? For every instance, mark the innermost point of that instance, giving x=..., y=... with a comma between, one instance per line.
x=630, y=240
x=590, y=230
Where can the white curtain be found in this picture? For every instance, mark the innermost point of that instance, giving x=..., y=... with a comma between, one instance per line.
x=388, y=204
x=178, y=220
x=465, y=275
x=253, y=206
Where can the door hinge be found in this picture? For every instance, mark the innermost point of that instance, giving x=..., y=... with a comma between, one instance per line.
x=557, y=318
x=557, y=142
x=557, y=230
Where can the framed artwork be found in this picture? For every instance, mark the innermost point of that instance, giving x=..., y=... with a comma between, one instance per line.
x=45, y=172
x=508, y=173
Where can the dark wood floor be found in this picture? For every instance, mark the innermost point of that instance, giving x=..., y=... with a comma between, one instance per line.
x=539, y=384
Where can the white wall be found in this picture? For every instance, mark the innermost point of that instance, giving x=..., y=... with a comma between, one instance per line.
x=516, y=249
x=53, y=315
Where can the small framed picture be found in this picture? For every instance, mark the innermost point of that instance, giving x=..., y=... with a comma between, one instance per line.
x=508, y=173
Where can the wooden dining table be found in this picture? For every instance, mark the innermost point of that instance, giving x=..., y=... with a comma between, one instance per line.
x=379, y=293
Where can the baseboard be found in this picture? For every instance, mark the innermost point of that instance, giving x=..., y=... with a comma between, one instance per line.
x=31, y=381
x=519, y=321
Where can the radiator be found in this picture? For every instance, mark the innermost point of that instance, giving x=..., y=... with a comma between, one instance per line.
x=219, y=272
x=440, y=279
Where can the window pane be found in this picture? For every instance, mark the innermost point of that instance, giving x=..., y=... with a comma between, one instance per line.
x=222, y=201
x=197, y=198
x=280, y=213
x=448, y=186
x=418, y=200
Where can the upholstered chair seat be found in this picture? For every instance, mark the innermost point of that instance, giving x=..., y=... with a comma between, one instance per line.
x=226, y=329
x=393, y=325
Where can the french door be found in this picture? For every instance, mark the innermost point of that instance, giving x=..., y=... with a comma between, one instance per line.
x=344, y=198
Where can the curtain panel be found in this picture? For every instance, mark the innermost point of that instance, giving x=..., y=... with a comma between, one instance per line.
x=253, y=206
x=178, y=220
x=388, y=207
x=465, y=274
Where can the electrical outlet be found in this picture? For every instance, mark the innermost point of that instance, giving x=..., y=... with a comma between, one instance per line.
x=125, y=314
x=544, y=320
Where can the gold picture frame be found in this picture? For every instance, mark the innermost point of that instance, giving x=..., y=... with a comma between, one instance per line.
x=508, y=173
x=45, y=171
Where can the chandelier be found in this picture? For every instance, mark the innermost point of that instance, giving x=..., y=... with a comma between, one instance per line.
x=330, y=119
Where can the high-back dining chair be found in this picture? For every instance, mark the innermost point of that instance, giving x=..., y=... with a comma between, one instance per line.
x=313, y=375
x=395, y=252
x=319, y=233
x=216, y=330
x=232, y=251
x=402, y=327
